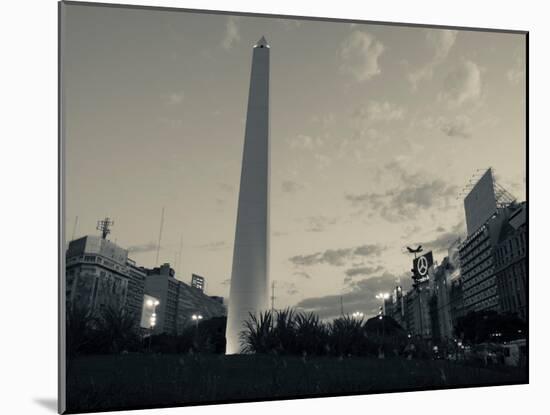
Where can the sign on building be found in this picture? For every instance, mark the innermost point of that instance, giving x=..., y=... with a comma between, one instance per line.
x=421, y=265
x=197, y=281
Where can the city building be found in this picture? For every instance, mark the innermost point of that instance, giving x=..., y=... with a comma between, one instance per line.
x=417, y=311
x=250, y=270
x=136, y=288
x=177, y=301
x=197, y=281
x=511, y=264
x=395, y=306
x=96, y=273
x=487, y=207
x=445, y=284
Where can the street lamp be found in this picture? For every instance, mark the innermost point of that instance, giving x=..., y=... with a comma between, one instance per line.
x=358, y=315
x=153, y=319
x=383, y=297
x=196, y=318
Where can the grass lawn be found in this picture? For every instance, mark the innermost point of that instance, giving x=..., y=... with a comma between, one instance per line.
x=106, y=382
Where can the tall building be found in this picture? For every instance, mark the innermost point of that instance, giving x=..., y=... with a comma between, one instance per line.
x=487, y=208
x=395, y=306
x=136, y=287
x=417, y=315
x=511, y=264
x=177, y=301
x=250, y=271
x=96, y=273
x=445, y=280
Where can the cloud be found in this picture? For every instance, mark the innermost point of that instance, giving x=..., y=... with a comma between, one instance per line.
x=460, y=126
x=360, y=297
x=232, y=33
x=337, y=257
x=462, y=85
x=515, y=75
x=323, y=160
x=288, y=287
x=441, y=42
x=359, y=54
x=414, y=193
x=289, y=23
x=290, y=186
x=174, y=98
x=226, y=187
x=445, y=239
x=380, y=111
x=302, y=274
x=146, y=247
x=303, y=141
x=214, y=246
x=352, y=272
x=320, y=223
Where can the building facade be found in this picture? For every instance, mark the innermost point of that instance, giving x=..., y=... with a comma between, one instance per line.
x=417, y=314
x=511, y=265
x=136, y=288
x=478, y=266
x=178, y=302
x=96, y=274
x=446, y=297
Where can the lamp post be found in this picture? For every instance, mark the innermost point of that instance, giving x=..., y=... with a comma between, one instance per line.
x=196, y=318
x=358, y=315
x=153, y=319
x=383, y=297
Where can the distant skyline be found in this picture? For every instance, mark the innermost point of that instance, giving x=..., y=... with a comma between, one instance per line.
x=375, y=129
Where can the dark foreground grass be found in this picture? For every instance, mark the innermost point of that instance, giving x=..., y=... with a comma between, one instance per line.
x=97, y=383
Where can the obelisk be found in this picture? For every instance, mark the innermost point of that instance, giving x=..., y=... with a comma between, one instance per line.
x=250, y=274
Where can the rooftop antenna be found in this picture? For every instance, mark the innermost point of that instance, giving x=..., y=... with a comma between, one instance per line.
x=273, y=297
x=105, y=226
x=180, y=253
x=160, y=236
x=74, y=228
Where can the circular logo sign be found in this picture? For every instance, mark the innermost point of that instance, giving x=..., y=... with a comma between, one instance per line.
x=422, y=266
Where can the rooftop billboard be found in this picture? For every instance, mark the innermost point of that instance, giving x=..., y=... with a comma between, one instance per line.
x=480, y=203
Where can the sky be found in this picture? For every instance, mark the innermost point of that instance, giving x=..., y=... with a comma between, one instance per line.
x=375, y=132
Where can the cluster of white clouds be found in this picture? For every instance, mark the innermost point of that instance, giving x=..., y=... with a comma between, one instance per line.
x=380, y=111
x=360, y=54
x=232, y=33
x=462, y=85
x=441, y=41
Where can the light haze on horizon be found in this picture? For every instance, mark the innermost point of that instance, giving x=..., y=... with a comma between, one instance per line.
x=375, y=129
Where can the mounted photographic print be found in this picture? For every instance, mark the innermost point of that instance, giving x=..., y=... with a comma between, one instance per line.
x=259, y=207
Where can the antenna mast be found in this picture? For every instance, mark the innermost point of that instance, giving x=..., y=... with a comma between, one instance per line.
x=273, y=297
x=179, y=256
x=160, y=236
x=74, y=228
x=105, y=226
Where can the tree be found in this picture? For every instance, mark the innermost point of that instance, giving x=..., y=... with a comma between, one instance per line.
x=116, y=330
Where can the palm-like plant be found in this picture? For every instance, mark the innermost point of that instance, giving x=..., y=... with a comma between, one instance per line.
x=311, y=334
x=348, y=337
x=284, y=331
x=257, y=336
